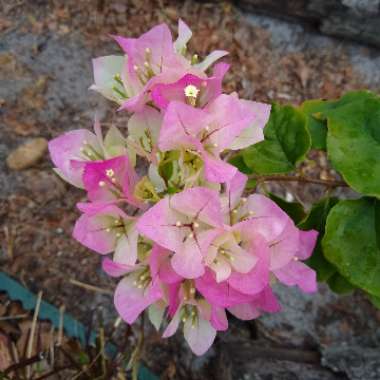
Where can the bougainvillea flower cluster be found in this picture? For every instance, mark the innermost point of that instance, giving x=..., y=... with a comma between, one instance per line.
x=179, y=232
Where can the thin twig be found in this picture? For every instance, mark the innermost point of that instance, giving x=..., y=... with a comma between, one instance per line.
x=11, y=317
x=72, y=361
x=102, y=350
x=16, y=356
x=136, y=355
x=9, y=238
x=279, y=177
x=23, y=363
x=52, y=372
x=90, y=287
x=60, y=327
x=32, y=331
x=51, y=355
x=85, y=369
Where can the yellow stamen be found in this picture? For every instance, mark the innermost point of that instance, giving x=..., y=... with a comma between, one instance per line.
x=194, y=59
x=191, y=91
x=110, y=173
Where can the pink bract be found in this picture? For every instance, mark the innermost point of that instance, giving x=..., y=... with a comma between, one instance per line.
x=209, y=132
x=71, y=150
x=154, y=59
x=185, y=223
x=131, y=300
x=209, y=88
x=111, y=179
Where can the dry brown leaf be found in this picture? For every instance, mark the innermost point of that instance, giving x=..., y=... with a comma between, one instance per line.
x=5, y=355
x=19, y=127
x=4, y=24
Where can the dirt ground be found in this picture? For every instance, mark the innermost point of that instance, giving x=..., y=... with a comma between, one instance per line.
x=45, y=71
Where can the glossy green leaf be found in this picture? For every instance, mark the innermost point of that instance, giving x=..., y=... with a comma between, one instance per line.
x=316, y=220
x=350, y=243
x=319, y=263
x=238, y=162
x=294, y=209
x=351, y=97
x=315, y=112
x=339, y=284
x=315, y=122
x=353, y=143
x=287, y=141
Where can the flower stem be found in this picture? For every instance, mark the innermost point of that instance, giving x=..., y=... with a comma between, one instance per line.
x=316, y=181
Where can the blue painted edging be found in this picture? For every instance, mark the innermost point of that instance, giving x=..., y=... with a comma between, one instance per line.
x=72, y=327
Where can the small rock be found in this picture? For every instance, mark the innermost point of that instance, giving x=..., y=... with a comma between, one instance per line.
x=27, y=154
x=357, y=362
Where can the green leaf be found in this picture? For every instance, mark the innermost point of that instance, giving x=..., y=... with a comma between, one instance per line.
x=319, y=263
x=166, y=170
x=83, y=358
x=251, y=184
x=287, y=141
x=316, y=220
x=353, y=142
x=350, y=243
x=238, y=162
x=315, y=122
x=294, y=209
x=315, y=113
x=377, y=222
x=375, y=301
x=339, y=284
x=352, y=97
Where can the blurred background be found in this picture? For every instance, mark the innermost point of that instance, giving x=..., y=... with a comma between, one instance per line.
x=285, y=51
